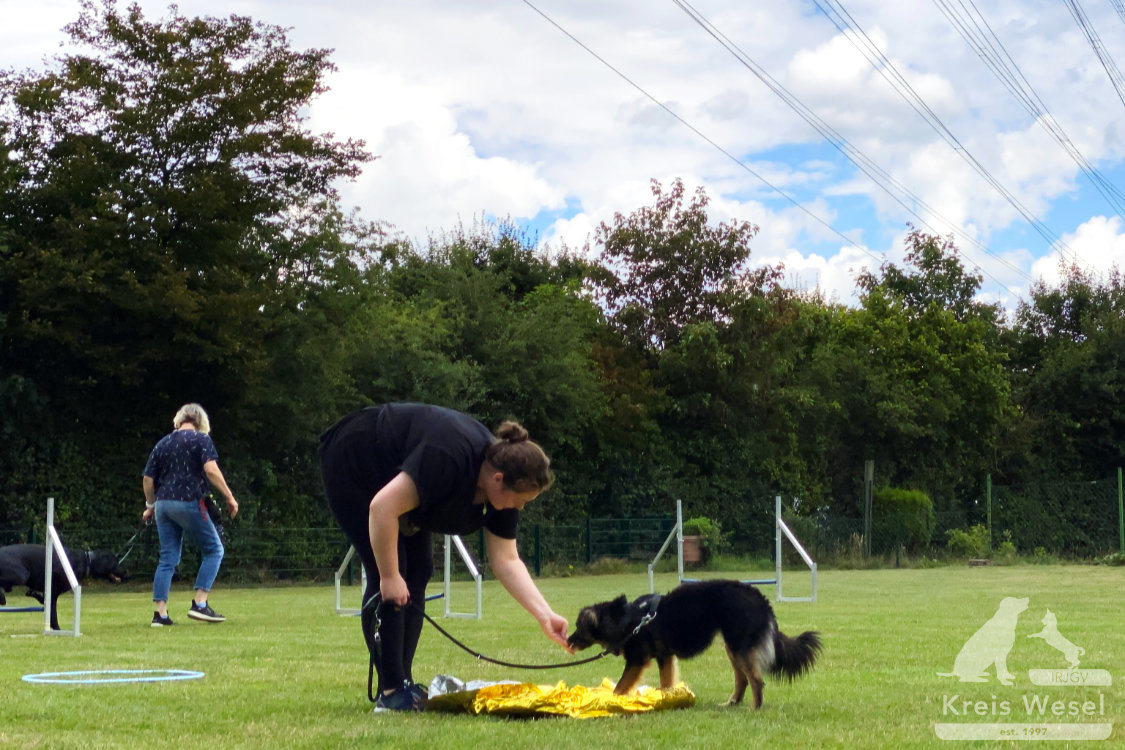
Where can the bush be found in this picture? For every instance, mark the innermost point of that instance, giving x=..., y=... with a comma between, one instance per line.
x=713, y=539
x=1006, y=551
x=1117, y=558
x=971, y=543
x=609, y=566
x=903, y=518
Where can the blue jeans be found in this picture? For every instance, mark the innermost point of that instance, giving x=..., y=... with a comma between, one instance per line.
x=174, y=518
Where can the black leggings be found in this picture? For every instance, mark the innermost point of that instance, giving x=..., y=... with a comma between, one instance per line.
x=401, y=627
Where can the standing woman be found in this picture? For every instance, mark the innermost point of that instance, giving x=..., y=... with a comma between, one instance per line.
x=397, y=472
x=175, y=483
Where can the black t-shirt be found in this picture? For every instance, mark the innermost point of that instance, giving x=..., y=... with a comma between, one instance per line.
x=442, y=450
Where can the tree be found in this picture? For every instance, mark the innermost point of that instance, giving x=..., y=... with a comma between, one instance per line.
x=712, y=334
x=1068, y=360
x=155, y=187
x=923, y=375
x=667, y=267
x=150, y=225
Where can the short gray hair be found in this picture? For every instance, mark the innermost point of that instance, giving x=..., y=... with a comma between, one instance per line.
x=192, y=413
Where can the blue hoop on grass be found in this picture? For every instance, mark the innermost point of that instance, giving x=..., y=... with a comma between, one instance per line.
x=137, y=675
x=34, y=608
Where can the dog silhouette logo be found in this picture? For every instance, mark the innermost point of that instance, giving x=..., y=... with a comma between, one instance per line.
x=990, y=645
x=1053, y=638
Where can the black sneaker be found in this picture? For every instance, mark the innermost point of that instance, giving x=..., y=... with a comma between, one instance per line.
x=161, y=622
x=204, y=612
x=409, y=697
x=418, y=691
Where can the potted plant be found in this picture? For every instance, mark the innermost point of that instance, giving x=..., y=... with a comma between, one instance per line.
x=702, y=538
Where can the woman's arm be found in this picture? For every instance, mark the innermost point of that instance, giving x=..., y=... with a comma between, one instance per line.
x=148, y=486
x=215, y=477
x=512, y=573
x=397, y=497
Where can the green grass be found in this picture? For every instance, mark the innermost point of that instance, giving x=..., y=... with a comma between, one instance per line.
x=285, y=672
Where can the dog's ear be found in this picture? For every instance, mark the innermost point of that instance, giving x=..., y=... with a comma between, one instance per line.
x=620, y=601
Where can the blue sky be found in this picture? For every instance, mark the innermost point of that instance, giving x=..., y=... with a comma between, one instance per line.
x=485, y=108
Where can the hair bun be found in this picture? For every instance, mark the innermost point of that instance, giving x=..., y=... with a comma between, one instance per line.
x=513, y=432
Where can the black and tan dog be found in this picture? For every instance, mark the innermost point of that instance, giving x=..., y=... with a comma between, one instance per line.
x=683, y=622
x=25, y=565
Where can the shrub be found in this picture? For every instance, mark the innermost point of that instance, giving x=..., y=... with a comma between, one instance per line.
x=1006, y=552
x=609, y=566
x=713, y=538
x=971, y=543
x=1117, y=558
x=903, y=518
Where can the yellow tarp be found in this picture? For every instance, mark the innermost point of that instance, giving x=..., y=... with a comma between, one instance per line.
x=528, y=699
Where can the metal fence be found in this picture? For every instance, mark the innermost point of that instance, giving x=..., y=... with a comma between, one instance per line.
x=315, y=553
x=1067, y=519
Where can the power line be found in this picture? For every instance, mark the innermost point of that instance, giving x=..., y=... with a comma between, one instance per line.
x=702, y=135
x=1119, y=6
x=879, y=176
x=1099, y=48
x=855, y=34
x=977, y=33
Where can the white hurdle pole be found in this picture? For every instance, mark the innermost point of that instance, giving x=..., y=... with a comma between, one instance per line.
x=52, y=543
x=338, y=578
x=452, y=540
x=783, y=528
x=777, y=543
x=677, y=534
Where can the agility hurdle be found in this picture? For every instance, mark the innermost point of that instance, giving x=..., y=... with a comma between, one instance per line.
x=477, y=578
x=340, y=609
x=447, y=591
x=55, y=544
x=781, y=529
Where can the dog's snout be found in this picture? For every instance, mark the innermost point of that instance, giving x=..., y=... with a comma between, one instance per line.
x=577, y=642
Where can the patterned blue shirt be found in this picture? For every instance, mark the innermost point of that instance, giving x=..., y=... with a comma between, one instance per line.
x=176, y=465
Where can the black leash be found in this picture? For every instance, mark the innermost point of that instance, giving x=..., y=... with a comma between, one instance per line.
x=131, y=543
x=482, y=657
x=370, y=615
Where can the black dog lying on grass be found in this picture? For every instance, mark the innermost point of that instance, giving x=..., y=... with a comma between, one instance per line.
x=25, y=565
x=683, y=622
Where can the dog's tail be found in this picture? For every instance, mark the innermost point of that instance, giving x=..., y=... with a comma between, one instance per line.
x=792, y=657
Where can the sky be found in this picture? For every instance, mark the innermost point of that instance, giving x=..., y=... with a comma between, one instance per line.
x=555, y=115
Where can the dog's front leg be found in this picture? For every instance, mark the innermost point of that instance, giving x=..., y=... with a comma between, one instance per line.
x=36, y=595
x=54, y=613
x=668, y=672
x=629, y=678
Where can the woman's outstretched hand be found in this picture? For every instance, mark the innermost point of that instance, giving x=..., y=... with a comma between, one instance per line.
x=555, y=627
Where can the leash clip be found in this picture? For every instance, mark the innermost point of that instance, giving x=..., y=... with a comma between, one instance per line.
x=644, y=621
x=650, y=615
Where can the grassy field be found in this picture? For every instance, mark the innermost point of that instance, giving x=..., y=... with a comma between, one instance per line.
x=286, y=672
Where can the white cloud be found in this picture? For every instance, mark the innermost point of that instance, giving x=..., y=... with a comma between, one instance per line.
x=485, y=107
x=1099, y=244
